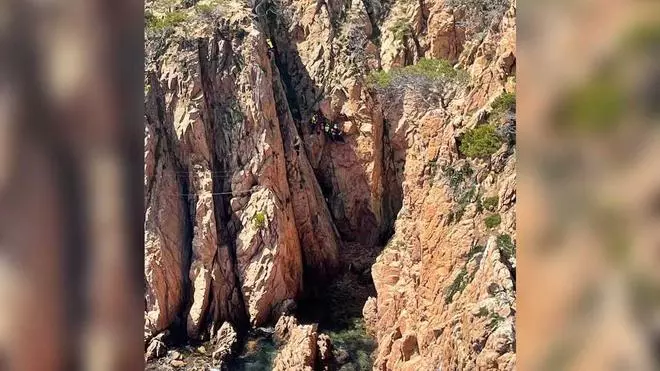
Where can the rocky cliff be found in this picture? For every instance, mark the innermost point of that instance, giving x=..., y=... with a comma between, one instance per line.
x=288, y=140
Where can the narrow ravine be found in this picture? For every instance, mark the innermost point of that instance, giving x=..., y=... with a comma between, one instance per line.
x=337, y=308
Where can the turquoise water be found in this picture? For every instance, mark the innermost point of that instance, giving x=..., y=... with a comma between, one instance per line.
x=338, y=313
x=353, y=339
x=351, y=342
x=257, y=354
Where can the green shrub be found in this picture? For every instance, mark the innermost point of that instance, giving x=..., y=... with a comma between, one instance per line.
x=479, y=207
x=504, y=103
x=481, y=141
x=259, y=220
x=483, y=312
x=463, y=190
x=492, y=221
x=490, y=203
x=424, y=71
x=478, y=15
x=380, y=79
x=210, y=9
x=506, y=246
x=503, y=106
x=169, y=20
x=433, y=167
x=457, y=286
x=457, y=176
x=204, y=9
x=401, y=29
x=463, y=200
x=431, y=68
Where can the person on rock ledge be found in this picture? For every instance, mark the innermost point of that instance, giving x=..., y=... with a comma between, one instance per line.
x=332, y=129
x=271, y=48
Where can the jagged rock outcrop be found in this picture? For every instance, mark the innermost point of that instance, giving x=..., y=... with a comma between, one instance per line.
x=165, y=232
x=318, y=236
x=303, y=348
x=325, y=359
x=221, y=106
x=225, y=343
x=157, y=346
x=284, y=327
x=370, y=314
x=300, y=350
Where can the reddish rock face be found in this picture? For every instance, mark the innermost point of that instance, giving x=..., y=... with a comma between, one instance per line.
x=226, y=229
x=445, y=281
x=300, y=350
x=250, y=206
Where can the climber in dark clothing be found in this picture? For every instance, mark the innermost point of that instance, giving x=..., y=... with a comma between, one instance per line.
x=312, y=123
x=271, y=49
x=317, y=122
x=336, y=133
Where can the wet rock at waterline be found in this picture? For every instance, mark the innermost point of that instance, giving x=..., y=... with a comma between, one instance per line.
x=300, y=350
x=225, y=344
x=284, y=328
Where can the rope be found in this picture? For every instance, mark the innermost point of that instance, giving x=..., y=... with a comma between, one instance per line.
x=215, y=193
x=212, y=172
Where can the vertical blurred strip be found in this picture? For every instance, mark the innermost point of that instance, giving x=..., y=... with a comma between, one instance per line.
x=71, y=203
x=589, y=190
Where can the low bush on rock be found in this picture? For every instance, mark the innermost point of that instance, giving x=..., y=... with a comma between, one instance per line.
x=167, y=21
x=426, y=70
x=428, y=78
x=505, y=102
x=492, y=221
x=457, y=286
x=259, y=220
x=478, y=15
x=401, y=29
x=480, y=142
x=490, y=203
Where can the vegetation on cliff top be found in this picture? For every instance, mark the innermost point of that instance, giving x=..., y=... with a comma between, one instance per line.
x=166, y=21
x=426, y=70
x=478, y=15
